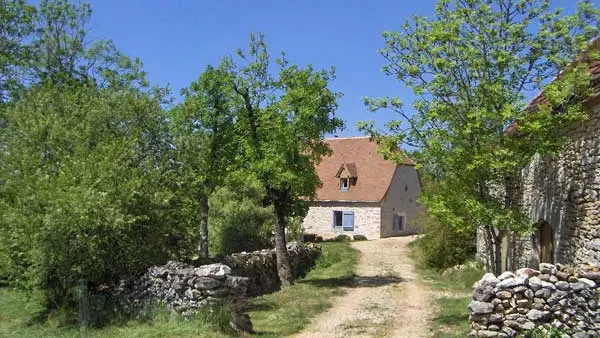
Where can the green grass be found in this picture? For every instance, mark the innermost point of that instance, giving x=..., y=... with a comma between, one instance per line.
x=288, y=311
x=18, y=314
x=275, y=315
x=452, y=317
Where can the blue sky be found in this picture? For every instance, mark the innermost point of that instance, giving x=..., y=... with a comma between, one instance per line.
x=176, y=39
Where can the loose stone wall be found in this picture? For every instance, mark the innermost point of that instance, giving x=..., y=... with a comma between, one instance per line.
x=261, y=266
x=553, y=296
x=187, y=289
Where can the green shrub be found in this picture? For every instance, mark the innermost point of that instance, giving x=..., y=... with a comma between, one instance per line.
x=342, y=238
x=359, y=238
x=88, y=196
x=441, y=246
x=309, y=238
x=293, y=230
x=238, y=222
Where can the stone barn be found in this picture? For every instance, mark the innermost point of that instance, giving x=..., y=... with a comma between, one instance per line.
x=362, y=193
x=560, y=194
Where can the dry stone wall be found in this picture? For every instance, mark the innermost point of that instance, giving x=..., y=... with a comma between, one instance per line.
x=260, y=267
x=188, y=289
x=553, y=296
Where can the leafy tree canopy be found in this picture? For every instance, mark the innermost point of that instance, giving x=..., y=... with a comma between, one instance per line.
x=471, y=68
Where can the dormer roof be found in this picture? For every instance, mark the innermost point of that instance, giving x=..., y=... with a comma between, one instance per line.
x=355, y=157
x=349, y=168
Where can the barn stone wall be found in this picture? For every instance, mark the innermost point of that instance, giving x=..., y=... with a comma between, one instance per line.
x=563, y=190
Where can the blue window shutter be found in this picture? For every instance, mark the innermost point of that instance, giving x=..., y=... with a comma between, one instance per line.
x=348, y=221
x=333, y=219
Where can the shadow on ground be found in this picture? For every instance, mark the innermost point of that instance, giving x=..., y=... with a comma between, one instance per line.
x=355, y=281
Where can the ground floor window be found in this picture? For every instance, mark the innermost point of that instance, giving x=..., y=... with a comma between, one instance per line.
x=343, y=219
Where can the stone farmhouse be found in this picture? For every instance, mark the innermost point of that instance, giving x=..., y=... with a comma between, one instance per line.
x=561, y=194
x=362, y=193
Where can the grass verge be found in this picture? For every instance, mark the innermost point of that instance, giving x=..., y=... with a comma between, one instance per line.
x=275, y=315
x=452, y=292
x=286, y=312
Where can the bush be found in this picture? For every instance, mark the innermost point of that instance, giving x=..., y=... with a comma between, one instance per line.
x=85, y=193
x=342, y=238
x=441, y=246
x=238, y=222
x=309, y=238
x=293, y=230
x=359, y=238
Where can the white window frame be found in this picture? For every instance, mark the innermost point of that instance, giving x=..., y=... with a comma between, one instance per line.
x=344, y=187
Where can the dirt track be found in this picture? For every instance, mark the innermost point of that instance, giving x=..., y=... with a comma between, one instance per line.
x=385, y=299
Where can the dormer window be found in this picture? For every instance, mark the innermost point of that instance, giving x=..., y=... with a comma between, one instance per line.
x=347, y=175
x=344, y=184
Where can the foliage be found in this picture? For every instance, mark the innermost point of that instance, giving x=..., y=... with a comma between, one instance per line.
x=275, y=315
x=451, y=319
x=471, y=67
x=282, y=122
x=61, y=52
x=20, y=311
x=203, y=128
x=238, y=221
x=84, y=183
x=441, y=245
x=342, y=238
x=293, y=231
x=16, y=24
x=359, y=238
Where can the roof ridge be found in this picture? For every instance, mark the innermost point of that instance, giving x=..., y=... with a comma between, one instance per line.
x=346, y=138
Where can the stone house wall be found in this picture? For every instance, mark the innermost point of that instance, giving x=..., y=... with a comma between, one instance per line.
x=401, y=198
x=562, y=190
x=371, y=219
x=367, y=219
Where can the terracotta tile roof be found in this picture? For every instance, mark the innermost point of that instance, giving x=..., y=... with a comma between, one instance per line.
x=359, y=156
x=349, y=167
x=540, y=98
x=594, y=69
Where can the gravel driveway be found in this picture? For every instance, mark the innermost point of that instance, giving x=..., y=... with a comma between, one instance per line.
x=384, y=300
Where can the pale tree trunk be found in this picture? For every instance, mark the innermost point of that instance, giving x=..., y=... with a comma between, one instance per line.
x=284, y=270
x=203, y=245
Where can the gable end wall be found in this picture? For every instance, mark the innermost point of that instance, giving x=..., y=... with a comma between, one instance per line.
x=401, y=197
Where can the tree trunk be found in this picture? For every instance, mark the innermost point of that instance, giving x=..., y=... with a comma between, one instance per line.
x=494, y=251
x=284, y=270
x=203, y=246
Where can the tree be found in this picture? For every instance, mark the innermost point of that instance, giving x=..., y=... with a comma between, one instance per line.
x=471, y=68
x=204, y=131
x=281, y=124
x=83, y=187
x=61, y=52
x=16, y=24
